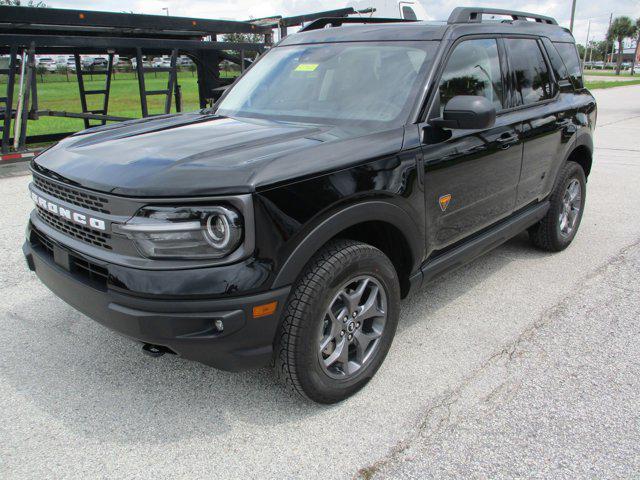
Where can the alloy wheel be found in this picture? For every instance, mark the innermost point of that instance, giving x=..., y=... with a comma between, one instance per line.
x=352, y=327
x=570, y=209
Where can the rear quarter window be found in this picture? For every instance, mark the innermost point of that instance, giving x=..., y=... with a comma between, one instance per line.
x=569, y=55
x=557, y=64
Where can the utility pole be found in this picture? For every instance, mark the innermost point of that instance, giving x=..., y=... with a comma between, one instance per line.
x=586, y=45
x=166, y=9
x=573, y=15
x=613, y=43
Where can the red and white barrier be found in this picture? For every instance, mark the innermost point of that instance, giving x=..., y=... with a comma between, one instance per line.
x=5, y=157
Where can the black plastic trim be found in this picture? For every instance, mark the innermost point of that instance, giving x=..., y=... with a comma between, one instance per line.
x=483, y=243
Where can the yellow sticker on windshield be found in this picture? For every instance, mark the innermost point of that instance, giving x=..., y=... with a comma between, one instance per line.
x=306, y=67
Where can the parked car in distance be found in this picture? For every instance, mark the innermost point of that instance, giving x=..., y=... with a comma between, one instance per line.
x=99, y=62
x=47, y=63
x=161, y=62
x=346, y=168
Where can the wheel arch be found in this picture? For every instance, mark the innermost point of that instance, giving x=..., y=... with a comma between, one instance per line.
x=582, y=153
x=383, y=225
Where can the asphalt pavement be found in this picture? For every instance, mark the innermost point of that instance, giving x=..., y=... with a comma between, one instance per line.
x=521, y=364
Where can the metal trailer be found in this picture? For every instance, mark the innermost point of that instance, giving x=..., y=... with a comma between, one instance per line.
x=27, y=31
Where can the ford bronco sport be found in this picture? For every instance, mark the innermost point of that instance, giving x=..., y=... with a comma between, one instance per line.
x=353, y=162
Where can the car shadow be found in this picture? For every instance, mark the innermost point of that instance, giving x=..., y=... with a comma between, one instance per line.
x=100, y=385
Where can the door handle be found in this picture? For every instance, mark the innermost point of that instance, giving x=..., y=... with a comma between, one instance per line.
x=508, y=140
x=567, y=126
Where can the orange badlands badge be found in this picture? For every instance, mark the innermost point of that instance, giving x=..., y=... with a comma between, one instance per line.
x=444, y=201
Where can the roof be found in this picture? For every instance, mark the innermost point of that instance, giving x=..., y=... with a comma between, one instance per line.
x=394, y=31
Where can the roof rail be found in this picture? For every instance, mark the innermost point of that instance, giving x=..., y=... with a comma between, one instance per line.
x=475, y=14
x=337, y=22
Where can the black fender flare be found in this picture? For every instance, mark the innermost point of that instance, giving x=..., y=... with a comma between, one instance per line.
x=583, y=139
x=336, y=222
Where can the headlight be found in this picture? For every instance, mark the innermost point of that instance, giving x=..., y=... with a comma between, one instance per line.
x=185, y=232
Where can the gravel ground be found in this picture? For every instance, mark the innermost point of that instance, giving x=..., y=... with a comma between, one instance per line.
x=560, y=402
x=519, y=364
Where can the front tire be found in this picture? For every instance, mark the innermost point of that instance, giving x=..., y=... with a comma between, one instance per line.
x=338, y=323
x=558, y=228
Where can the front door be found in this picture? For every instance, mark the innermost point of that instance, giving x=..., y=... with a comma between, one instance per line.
x=471, y=176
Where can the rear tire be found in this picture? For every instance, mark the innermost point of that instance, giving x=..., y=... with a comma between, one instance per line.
x=558, y=228
x=339, y=322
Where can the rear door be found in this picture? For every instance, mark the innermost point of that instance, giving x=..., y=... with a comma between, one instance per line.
x=470, y=176
x=536, y=101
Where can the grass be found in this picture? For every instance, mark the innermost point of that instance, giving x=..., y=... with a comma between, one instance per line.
x=56, y=93
x=610, y=84
x=609, y=73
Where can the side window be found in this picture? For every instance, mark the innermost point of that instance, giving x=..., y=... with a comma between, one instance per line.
x=530, y=70
x=569, y=55
x=557, y=65
x=473, y=69
x=408, y=13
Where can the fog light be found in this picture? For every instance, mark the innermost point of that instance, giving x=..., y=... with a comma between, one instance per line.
x=219, y=325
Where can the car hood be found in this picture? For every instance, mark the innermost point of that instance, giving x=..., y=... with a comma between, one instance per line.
x=199, y=154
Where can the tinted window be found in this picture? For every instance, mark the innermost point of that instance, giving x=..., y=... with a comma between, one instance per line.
x=557, y=65
x=530, y=70
x=569, y=54
x=408, y=13
x=473, y=69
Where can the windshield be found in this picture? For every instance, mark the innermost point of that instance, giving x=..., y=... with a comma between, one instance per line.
x=332, y=83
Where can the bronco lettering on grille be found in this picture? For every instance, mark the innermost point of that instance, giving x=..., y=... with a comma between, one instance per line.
x=69, y=215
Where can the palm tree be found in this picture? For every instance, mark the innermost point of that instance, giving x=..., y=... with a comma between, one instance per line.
x=635, y=54
x=621, y=28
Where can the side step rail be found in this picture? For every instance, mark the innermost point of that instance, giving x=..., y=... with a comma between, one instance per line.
x=483, y=243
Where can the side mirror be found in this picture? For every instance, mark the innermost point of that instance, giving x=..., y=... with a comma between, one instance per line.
x=471, y=112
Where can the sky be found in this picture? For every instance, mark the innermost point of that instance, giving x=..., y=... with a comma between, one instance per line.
x=597, y=11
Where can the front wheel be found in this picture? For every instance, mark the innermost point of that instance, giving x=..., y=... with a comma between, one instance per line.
x=558, y=228
x=339, y=322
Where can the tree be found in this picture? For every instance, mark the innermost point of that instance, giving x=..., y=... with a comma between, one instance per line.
x=601, y=50
x=249, y=55
x=621, y=29
x=245, y=38
x=635, y=53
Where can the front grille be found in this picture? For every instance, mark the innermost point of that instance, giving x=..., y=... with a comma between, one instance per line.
x=89, y=272
x=85, y=234
x=72, y=195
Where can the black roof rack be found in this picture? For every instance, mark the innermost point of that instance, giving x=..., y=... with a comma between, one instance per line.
x=336, y=22
x=278, y=20
x=475, y=14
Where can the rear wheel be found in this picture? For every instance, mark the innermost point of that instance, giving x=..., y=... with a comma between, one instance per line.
x=339, y=322
x=558, y=228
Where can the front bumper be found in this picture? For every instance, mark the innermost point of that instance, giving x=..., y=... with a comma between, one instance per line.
x=185, y=326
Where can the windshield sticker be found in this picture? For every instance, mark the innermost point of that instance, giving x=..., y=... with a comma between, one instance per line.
x=306, y=67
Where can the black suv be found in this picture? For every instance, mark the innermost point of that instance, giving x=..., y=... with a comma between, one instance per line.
x=348, y=166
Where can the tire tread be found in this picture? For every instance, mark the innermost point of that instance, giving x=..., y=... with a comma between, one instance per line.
x=315, y=275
